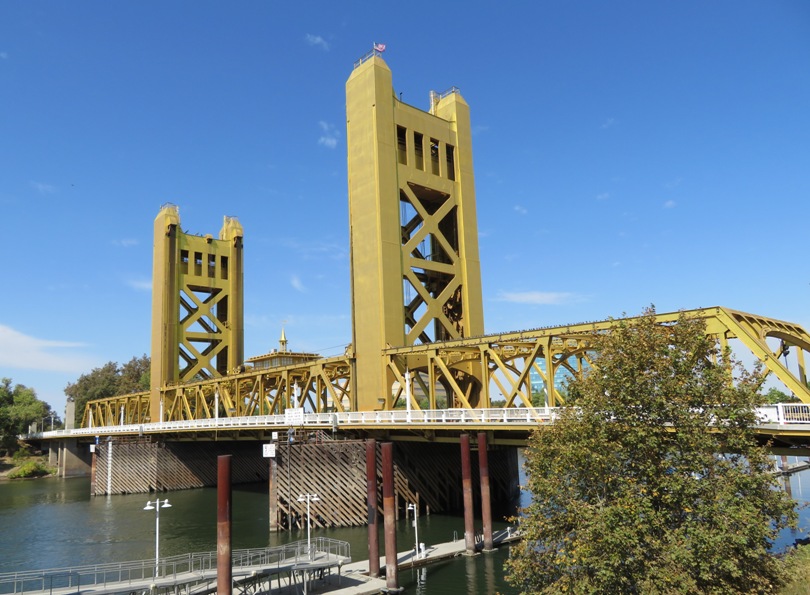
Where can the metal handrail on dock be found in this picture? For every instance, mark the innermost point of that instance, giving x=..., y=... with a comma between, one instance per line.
x=178, y=569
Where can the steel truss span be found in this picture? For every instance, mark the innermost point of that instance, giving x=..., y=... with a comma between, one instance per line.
x=522, y=371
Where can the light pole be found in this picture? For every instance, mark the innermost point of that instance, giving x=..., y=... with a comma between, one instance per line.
x=42, y=422
x=156, y=506
x=309, y=498
x=416, y=527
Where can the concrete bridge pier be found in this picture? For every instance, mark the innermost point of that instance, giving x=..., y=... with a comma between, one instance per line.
x=74, y=460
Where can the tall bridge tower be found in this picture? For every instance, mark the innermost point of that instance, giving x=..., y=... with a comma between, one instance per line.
x=414, y=248
x=197, y=303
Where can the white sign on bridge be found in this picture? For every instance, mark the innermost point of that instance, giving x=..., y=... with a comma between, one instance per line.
x=294, y=416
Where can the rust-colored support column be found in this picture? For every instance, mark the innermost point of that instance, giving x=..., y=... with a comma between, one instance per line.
x=373, y=513
x=391, y=571
x=224, y=561
x=466, y=484
x=273, y=495
x=486, y=504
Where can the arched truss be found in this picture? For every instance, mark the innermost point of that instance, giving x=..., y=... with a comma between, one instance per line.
x=319, y=386
x=507, y=360
x=448, y=374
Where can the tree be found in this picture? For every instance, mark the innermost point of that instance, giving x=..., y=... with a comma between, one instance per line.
x=653, y=482
x=774, y=396
x=19, y=407
x=134, y=375
x=109, y=380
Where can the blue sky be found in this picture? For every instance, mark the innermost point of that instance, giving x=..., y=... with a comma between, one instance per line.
x=626, y=153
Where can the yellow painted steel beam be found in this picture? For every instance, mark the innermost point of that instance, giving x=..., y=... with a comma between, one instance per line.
x=507, y=357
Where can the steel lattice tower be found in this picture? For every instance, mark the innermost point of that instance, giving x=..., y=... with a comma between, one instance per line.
x=197, y=304
x=414, y=247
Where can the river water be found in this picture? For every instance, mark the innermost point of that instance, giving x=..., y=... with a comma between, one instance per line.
x=53, y=523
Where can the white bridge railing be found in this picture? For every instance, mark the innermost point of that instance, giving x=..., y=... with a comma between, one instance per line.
x=780, y=414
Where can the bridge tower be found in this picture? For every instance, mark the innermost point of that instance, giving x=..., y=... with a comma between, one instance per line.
x=197, y=303
x=413, y=228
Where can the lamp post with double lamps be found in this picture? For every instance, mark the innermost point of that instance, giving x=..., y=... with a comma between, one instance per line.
x=308, y=498
x=156, y=506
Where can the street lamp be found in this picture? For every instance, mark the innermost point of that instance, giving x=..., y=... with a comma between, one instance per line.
x=42, y=422
x=308, y=498
x=156, y=506
x=416, y=528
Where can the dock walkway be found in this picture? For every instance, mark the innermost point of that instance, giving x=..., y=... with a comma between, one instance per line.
x=188, y=574
x=354, y=579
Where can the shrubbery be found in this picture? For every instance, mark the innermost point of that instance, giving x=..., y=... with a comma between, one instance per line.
x=31, y=469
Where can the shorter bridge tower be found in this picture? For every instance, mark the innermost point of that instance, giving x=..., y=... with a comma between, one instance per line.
x=197, y=304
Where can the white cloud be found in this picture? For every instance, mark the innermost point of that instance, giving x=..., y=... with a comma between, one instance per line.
x=669, y=204
x=295, y=281
x=603, y=196
x=43, y=188
x=608, y=123
x=521, y=209
x=538, y=298
x=140, y=284
x=317, y=41
x=125, y=242
x=330, y=136
x=29, y=353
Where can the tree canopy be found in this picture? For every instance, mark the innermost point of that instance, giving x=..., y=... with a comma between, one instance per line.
x=653, y=482
x=110, y=380
x=19, y=408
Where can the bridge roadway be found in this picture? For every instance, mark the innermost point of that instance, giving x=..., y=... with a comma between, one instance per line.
x=788, y=424
x=190, y=574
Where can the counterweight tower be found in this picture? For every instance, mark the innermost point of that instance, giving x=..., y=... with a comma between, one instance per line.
x=414, y=248
x=197, y=304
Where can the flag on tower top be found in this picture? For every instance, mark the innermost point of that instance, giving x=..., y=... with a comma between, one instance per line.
x=379, y=47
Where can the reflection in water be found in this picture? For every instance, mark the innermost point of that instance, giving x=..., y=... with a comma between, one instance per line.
x=471, y=566
x=489, y=572
x=421, y=581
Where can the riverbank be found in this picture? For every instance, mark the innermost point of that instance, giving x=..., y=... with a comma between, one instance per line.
x=38, y=465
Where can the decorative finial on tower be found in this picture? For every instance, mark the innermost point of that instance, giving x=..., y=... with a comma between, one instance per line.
x=282, y=342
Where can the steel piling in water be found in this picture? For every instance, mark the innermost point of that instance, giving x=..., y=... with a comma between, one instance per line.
x=389, y=505
x=373, y=513
x=466, y=484
x=486, y=504
x=224, y=560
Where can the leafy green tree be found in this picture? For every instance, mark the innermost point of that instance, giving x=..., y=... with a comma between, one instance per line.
x=654, y=482
x=134, y=375
x=110, y=380
x=774, y=395
x=19, y=408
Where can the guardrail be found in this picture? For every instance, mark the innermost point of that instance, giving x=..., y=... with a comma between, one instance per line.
x=181, y=568
x=782, y=414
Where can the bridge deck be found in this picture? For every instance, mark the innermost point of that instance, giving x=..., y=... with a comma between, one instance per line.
x=786, y=419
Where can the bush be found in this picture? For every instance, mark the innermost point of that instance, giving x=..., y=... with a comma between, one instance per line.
x=799, y=570
x=31, y=469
